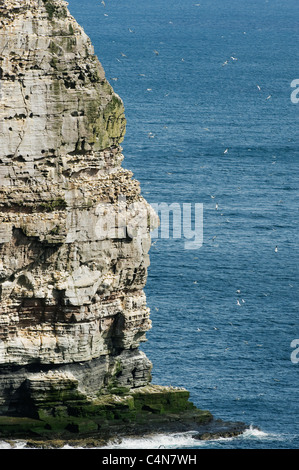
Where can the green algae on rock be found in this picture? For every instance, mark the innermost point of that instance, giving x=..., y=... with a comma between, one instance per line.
x=138, y=411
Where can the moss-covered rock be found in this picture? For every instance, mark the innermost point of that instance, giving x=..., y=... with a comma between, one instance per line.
x=54, y=9
x=16, y=426
x=107, y=124
x=146, y=407
x=158, y=399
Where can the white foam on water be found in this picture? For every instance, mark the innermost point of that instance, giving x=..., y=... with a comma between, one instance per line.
x=183, y=440
x=257, y=434
x=5, y=445
x=253, y=432
x=157, y=441
x=187, y=441
x=12, y=445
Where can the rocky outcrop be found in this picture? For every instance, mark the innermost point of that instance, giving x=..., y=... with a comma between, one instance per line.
x=74, y=240
x=72, y=269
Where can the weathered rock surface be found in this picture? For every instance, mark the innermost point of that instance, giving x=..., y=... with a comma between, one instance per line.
x=71, y=272
x=74, y=240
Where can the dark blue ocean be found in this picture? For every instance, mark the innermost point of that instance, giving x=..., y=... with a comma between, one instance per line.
x=197, y=79
x=184, y=107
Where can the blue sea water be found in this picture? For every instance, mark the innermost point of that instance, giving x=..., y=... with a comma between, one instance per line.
x=185, y=106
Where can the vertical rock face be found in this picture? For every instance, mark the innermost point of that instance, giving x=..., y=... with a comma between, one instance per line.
x=74, y=241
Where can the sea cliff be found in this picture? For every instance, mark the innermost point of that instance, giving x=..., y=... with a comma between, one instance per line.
x=74, y=244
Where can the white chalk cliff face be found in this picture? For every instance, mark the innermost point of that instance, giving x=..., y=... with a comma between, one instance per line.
x=73, y=259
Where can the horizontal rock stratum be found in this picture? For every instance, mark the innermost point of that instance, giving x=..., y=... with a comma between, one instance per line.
x=74, y=241
x=69, y=292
